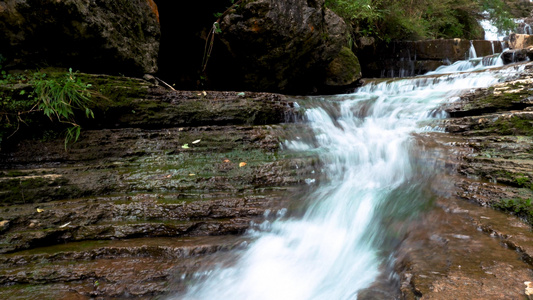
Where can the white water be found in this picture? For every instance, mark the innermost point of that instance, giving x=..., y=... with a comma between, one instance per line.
x=473, y=63
x=365, y=141
x=472, y=51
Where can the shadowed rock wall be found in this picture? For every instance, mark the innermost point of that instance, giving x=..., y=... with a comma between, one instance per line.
x=417, y=57
x=114, y=36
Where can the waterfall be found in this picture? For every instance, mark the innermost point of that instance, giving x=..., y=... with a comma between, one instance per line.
x=472, y=51
x=470, y=65
x=491, y=32
x=372, y=176
x=527, y=29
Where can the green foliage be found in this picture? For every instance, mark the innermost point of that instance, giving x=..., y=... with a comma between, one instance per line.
x=56, y=97
x=356, y=10
x=499, y=15
x=522, y=180
x=420, y=19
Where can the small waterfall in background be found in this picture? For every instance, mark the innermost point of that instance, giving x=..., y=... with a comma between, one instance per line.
x=472, y=51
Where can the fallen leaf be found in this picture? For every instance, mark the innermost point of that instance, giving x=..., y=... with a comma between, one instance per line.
x=40, y=210
x=64, y=225
x=168, y=176
x=185, y=146
x=3, y=223
x=242, y=164
x=240, y=94
x=205, y=94
x=192, y=174
x=196, y=142
x=227, y=161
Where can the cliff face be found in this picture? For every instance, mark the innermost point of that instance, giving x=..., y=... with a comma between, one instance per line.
x=95, y=36
x=262, y=46
x=284, y=45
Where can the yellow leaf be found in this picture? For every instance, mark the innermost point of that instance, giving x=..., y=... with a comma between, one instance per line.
x=192, y=174
x=242, y=164
x=227, y=161
x=185, y=146
x=40, y=210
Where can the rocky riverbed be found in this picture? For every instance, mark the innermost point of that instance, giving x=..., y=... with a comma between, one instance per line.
x=145, y=193
x=476, y=242
x=162, y=184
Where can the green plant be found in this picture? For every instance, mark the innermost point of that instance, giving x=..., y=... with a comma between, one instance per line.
x=420, y=19
x=356, y=10
x=58, y=97
x=215, y=29
x=522, y=180
x=499, y=15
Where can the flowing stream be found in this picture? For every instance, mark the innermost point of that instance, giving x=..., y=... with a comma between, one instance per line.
x=373, y=177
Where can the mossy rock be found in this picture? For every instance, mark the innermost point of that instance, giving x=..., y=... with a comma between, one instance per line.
x=344, y=69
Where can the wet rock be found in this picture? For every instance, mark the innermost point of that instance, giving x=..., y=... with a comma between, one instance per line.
x=520, y=41
x=517, y=55
x=344, y=69
x=464, y=247
x=462, y=268
x=410, y=58
x=94, y=36
x=119, y=199
x=282, y=46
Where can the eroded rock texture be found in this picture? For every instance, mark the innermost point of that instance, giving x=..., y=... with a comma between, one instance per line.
x=94, y=36
x=284, y=46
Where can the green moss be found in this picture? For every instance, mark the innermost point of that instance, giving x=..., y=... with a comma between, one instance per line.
x=344, y=69
x=517, y=206
x=514, y=125
x=35, y=189
x=505, y=100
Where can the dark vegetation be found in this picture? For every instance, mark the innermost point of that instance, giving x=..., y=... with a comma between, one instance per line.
x=421, y=19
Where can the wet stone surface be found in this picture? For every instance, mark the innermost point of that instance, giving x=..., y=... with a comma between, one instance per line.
x=476, y=242
x=160, y=184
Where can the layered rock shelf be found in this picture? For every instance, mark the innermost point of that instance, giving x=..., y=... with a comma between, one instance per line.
x=142, y=195
x=477, y=241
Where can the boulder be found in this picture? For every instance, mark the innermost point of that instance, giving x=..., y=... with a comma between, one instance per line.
x=517, y=55
x=283, y=46
x=114, y=36
x=520, y=41
x=344, y=69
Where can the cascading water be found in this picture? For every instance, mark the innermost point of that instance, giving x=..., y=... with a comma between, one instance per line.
x=365, y=143
x=472, y=51
x=527, y=29
x=473, y=63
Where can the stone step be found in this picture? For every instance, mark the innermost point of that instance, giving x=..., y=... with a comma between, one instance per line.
x=142, y=267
